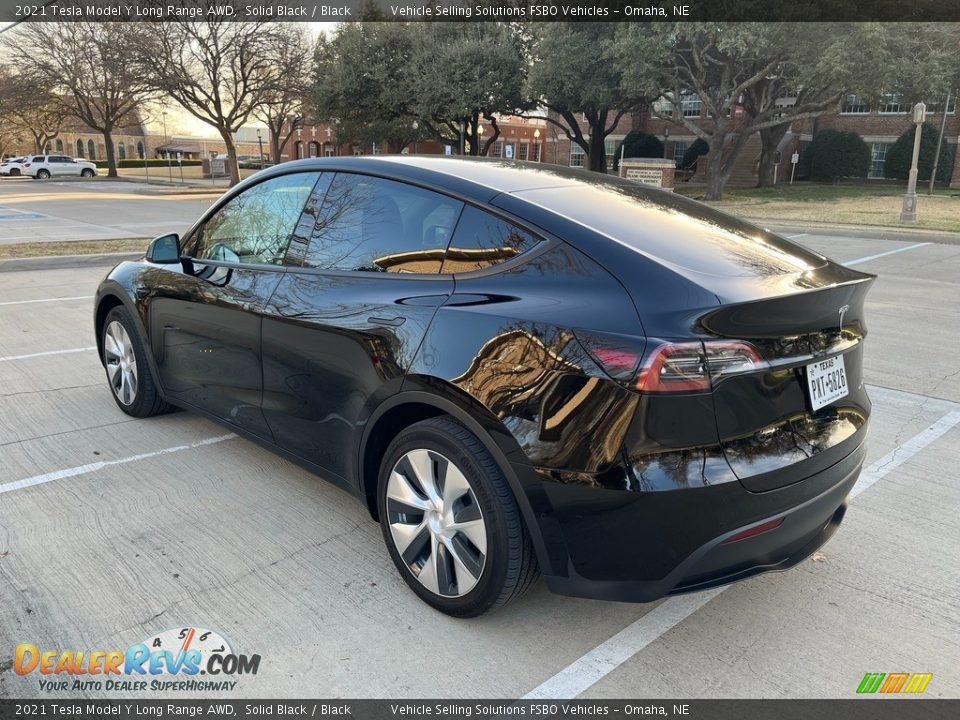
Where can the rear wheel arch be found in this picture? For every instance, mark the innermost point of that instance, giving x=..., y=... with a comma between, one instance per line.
x=409, y=407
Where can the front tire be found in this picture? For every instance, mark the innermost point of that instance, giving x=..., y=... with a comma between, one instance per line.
x=451, y=522
x=86, y=172
x=128, y=374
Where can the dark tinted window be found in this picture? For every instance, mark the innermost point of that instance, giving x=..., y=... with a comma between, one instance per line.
x=482, y=240
x=256, y=225
x=376, y=225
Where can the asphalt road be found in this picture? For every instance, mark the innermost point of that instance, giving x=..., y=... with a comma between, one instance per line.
x=114, y=529
x=48, y=210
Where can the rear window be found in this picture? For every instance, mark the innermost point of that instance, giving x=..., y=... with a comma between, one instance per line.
x=675, y=230
x=482, y=240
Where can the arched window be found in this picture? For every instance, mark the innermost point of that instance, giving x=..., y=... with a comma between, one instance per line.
x=140, y=149
x=314, y=148
x=91, y=149
x=79, y=148
x=122, y=149
x=60, y=147
x=299, y=149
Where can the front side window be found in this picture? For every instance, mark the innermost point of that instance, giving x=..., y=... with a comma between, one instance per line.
x=256, y=225
x=370, y=224
x=483, y=240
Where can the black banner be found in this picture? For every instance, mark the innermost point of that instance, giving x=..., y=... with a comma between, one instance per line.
x=875, y=708
x=481, y=10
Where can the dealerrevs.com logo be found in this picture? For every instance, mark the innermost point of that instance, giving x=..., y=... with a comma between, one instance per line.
x=169, y=661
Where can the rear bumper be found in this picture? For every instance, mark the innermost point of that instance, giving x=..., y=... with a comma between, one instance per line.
x=638, y=547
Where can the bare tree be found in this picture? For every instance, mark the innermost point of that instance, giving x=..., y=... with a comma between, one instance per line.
x=31, y=105
x=87, y=67
x=284, y=107
x=220, y=71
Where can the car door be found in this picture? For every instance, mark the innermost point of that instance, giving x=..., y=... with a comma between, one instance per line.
x=340, y=331
x=205, y=325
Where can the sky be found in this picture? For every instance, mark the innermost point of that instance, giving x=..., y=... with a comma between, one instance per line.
x=179, y=121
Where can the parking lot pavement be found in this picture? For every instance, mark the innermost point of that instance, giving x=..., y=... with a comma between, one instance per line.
x=114, y=529
x=36, y=211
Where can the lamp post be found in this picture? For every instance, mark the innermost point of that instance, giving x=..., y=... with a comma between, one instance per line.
x=908, y=214
x=480, y=131
x=416, y=132
x=166, y=150
x=260, y=143
x=936, y=156
x=536, y=138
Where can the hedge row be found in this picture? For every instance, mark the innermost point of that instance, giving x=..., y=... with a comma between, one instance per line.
x=150, y=162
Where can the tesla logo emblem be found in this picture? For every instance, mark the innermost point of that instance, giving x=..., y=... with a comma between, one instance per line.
x=842, y=311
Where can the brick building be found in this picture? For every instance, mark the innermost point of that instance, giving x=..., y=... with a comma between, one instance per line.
x=879, y=125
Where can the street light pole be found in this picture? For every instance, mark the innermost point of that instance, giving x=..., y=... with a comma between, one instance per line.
x=260, y=143
x=908, y=214
x=936, y=157
x=166, y=150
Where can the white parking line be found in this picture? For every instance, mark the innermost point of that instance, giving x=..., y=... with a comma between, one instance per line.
x=793, y=237
x=8, y=358
x=47, y=300
x=868, y=258
x=583, y=673
x=93, y=467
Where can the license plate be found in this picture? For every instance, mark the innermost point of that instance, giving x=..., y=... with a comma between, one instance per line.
x=826, y=381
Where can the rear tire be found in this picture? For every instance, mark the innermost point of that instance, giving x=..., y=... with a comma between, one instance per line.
x=86, y=172
x=14, y=173
x=43, y=174
x=128, y=373
x=451, y=522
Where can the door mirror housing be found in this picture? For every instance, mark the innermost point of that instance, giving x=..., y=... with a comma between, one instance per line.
x=164, y=250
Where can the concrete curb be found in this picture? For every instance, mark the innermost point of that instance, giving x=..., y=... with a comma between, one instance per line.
x=59, y=262
x=878, y=232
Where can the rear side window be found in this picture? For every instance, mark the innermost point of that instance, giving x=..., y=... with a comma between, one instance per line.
x=369, y=224
x=483, y=240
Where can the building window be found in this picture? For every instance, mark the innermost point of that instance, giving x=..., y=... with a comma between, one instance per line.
x=91, y=149
x=691, y=105
x=79, y=148
x=376, y=149
x=498, y=148
x=855, y=105
x=60, y=146
x=679, y=150
x=122, y=150
x=523, y=151
x=878, y=156
x=892, y=103
x=314, y=148
x=610, y=149
x=327, y=150
x=662, y=108
x=935, y=105
x=140, y=150
x=536, y=152
x=576, y=155
x=357, y=152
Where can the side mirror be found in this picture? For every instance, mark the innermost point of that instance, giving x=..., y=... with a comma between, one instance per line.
x=164, y=250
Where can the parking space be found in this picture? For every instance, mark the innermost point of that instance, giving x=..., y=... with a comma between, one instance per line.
x=114, y=529
x=38, y=211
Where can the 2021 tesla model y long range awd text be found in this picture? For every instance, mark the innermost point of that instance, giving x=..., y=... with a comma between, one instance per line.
x=519, y=369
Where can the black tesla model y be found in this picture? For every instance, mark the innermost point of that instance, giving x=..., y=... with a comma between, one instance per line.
x=519, y=369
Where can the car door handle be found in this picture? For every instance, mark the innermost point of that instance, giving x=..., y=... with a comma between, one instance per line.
x=395, y=321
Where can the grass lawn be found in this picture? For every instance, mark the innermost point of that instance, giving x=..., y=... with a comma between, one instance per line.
x=844, y=204
x=80, y=247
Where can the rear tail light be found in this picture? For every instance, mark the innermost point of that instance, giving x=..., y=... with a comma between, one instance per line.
x=696, y=367
x=670, y=367
x=27, y=164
